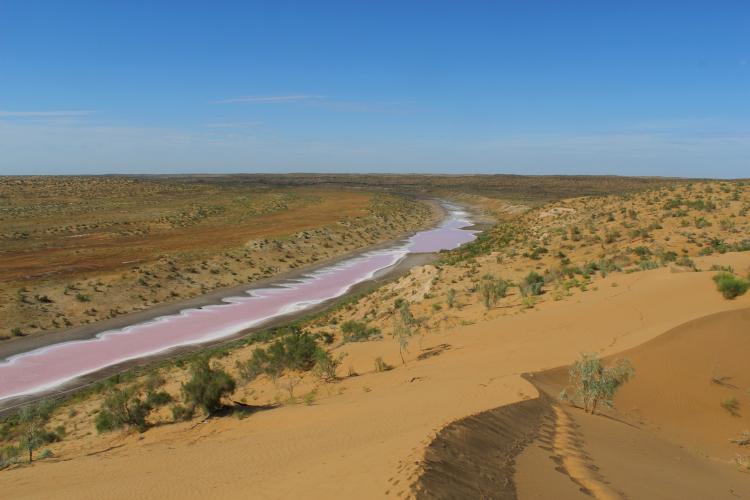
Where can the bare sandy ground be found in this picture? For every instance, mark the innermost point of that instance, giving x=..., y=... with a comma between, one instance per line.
x=367, y=436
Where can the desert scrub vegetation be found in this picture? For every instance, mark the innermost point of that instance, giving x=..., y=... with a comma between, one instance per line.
x=297, y=350
x=122, y=408
x=207, y=386
x=403, y=328
x=730, y=285
x=358, y=331
x=532, y=284
x=191, y=238
x=25, y=431
x=492, y=290
x=593, y=384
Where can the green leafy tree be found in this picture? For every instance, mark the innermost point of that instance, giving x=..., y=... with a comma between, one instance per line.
x=593, y=383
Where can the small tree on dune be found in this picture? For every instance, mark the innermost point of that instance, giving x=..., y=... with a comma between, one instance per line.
x=403, y=328
x=33, y=418
x=595, y=384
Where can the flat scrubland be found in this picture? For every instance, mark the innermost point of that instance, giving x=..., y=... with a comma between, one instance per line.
x=354, y=401
x=76, y=250
x=527, y=189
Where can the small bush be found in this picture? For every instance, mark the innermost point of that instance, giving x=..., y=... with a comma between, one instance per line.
x=450, y=298
x=532, y=284
x=207, y=386
x=356, y=331
x=182, y=413
x=122, y=408
x=326, y=364
x=731, y=286
x=104, y=422
x=742, y=440
x=492, y=290
x=595, y=384
x=157, y=399
x=732, y=406
x=381, y=366
x=295, y=351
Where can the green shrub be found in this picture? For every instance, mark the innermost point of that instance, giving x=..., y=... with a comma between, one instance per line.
x=732, y=406
x=731, y=286
x=207, y=386
x=104, y=422
x=181, y=413
x=157, y=399
x=122, y=408
x=295, y=351
x=356, y=331
x=532, y=284
x=326, y=364
x=492, y=289
x=593, y=383
x=450, y=298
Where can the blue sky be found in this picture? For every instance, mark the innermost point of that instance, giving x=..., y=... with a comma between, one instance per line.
x=628, y=88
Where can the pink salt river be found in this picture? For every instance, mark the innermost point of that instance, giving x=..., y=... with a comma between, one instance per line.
x=51, y=366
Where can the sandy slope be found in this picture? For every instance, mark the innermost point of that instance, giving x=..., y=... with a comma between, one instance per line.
x=580, y=456
x=365, y=439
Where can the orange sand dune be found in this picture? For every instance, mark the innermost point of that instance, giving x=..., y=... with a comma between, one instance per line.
x=685, y=375
x=365, y=439
x=668, y=436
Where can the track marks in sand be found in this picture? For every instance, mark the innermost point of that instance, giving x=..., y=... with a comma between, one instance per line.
x=568, y=447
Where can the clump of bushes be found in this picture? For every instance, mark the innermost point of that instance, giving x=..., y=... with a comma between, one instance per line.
x=731, y=286
x=595, y=384
x=295, y=351
x=356, y=331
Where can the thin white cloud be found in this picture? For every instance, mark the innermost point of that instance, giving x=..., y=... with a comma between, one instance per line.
x=269, y=99
x=43, y=114
x=251, y=124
